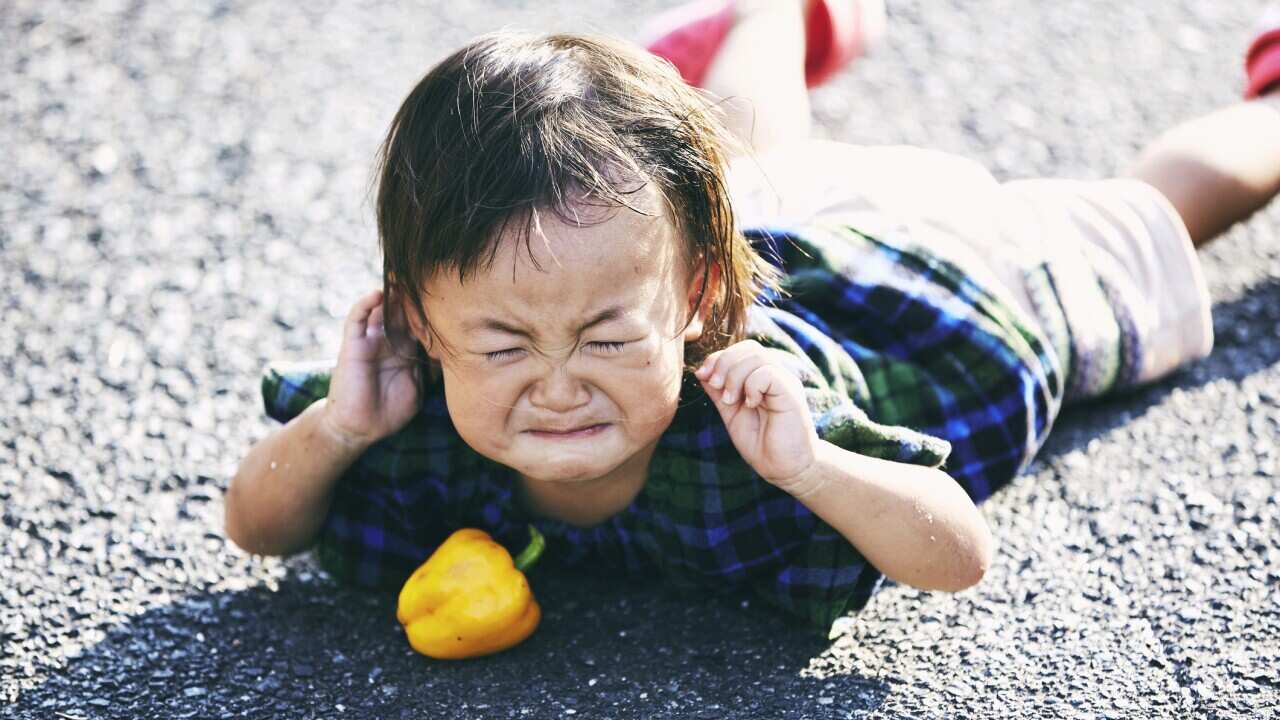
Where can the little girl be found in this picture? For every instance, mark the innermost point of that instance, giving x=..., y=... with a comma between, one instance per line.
x=794, y=371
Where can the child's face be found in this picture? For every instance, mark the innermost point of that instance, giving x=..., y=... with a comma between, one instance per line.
x=524, y=359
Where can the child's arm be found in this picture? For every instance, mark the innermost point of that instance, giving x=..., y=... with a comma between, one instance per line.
x=914, y=523
x=279, y=497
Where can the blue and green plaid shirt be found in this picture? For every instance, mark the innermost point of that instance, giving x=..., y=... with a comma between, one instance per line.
x=902, y=356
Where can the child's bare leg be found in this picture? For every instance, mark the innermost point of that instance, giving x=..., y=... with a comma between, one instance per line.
x=759, y=71
x=1218, y=169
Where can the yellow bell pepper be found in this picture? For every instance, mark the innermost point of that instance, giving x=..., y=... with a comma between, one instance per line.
x=469, y=598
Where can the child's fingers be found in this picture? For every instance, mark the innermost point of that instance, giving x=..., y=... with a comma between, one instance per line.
x=356, y=323
x=396, y=327
x=716, y=371
x=735, y=375
x=759, y=384
x=717, y=363
x=394, y=313
x=374, y=326
x=718, y=374
x=704, y=371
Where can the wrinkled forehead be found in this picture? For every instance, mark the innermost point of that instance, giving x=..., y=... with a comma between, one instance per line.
x=592, y=239
x=586, y=237
x=570, y=263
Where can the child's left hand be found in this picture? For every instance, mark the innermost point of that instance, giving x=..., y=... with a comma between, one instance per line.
x=763, y=406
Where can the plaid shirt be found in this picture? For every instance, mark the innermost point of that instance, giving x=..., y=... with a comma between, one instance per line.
x=902, y=358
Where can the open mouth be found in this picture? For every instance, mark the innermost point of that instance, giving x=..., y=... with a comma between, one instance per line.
x=587, y=431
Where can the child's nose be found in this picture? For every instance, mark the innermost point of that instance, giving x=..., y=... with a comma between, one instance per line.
x=559, y=390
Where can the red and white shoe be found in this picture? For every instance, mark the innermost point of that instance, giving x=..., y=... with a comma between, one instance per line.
x=836, y=32
x=1262, y=60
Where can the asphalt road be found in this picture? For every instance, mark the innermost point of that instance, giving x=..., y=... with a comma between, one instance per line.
x=183, y=196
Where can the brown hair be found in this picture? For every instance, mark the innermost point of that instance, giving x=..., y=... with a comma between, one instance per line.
x=515, y=123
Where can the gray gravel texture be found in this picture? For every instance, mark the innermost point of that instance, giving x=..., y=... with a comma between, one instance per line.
x=184, y=196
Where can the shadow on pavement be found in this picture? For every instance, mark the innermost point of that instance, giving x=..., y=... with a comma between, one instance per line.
x=606, y=647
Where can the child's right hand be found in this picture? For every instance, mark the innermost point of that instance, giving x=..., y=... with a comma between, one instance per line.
x=372, y=391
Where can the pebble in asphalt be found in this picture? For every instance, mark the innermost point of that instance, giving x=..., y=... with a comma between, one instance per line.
x=184, y=197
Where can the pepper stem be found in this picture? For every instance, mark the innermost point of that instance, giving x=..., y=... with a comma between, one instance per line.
x=530, y=554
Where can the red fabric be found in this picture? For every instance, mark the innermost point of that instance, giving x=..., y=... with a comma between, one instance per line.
x=689, y=36
x=833, y=36
x=1262, y=63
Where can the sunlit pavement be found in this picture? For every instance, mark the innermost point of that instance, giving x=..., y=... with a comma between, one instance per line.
x=184, y=196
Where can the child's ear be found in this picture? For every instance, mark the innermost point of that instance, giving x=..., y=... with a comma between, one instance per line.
x=700, y=299
x=427, y=340
x=414, y=325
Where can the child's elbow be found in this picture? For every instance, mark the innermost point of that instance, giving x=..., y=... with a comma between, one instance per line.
x=234, y=525
x=260, y=531
x=960, y=574
x=971, y=561
x=239, y=527
x=971, y=572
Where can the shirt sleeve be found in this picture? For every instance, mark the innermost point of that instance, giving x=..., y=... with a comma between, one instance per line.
x=288, y=388
x=833, y=387
x=366, y=538
x=823, y=576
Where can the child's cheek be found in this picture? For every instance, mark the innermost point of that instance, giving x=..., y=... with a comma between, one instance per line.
x=652, y=355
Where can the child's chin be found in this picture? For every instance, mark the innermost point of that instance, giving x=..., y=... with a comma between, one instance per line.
x=567, y=474
x=567, y=471
x=583, y=462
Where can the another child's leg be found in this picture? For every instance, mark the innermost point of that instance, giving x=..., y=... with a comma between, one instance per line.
x=1218, y=169
x=759, y=71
